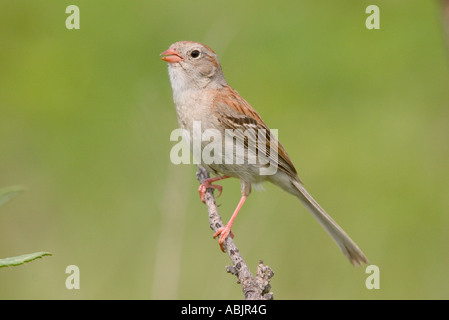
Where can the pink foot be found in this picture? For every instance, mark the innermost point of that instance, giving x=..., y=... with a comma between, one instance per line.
x=226, y=230
x=203, y=188
x=223, y=232
x=208, y=184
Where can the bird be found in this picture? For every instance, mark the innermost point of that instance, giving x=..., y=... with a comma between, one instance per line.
x=202, y=96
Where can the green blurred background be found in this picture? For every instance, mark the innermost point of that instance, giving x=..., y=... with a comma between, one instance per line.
x=85, y=120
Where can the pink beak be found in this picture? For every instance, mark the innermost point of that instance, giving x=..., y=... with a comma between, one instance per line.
x=171, y=56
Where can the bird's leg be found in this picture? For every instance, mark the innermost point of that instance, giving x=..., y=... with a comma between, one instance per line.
x=224, y=231
x=208, y=184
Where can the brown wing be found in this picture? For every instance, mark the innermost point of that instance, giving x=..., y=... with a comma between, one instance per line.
x=234, y=113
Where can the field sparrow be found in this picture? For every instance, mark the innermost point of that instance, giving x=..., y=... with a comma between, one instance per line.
x=202, y=95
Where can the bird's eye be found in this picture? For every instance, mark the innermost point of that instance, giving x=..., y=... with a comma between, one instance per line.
x=195, y=54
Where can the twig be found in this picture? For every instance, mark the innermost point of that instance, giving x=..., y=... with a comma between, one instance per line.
x=254, y=288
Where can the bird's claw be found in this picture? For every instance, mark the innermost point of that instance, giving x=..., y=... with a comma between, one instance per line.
x=203, y=188
x=223, y=232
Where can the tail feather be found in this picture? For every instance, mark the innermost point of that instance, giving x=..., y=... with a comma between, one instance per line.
x=349, y=248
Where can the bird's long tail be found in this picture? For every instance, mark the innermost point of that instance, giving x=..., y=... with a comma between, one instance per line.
x=349, y=248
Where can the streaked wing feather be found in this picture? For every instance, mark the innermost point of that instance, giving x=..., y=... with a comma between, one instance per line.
x=235, y=113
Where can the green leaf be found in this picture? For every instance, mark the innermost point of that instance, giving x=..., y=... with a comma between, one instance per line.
x=15, y=261
x=7, y=194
